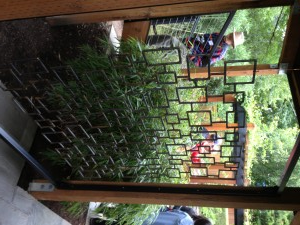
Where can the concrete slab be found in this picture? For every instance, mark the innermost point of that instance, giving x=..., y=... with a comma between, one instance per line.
x=7, y=191
x=118, y=27
x=19, y=207
x=11, y=216
x=42, y=215
x=23, y=201
x=22, y=128
x=11, y=164
x=114, y=39
x=63, y=222
x=15, y=121
x=16, y=205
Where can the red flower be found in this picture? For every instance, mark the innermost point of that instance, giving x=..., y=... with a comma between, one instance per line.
x=195, y=157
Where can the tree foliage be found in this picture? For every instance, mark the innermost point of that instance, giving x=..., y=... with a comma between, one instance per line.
x=262, y=217
x=264, y=31
x=268, y=103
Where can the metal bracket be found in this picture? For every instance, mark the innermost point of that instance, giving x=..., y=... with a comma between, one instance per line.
x=283, y=67
x=274, y=66
x=35, y=186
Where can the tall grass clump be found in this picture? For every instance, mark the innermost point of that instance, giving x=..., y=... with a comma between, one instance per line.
x=116, y=98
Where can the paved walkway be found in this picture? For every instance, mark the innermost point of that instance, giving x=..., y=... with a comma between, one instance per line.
x=16, y=205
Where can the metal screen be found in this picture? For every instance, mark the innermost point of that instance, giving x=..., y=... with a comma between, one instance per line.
x=132, y=127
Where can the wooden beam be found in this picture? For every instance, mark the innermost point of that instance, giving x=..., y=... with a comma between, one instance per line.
x=288, y=200
x=294, y=81
x=218, y=165
x=291, y=42
x=262, y=69
x=291, y=54
x=222, y=166
x=37, y=8
x=205, y=180
x=222, y=126
x=228, y=98
x=296, y=219
x=129, y=10
x=138, y=30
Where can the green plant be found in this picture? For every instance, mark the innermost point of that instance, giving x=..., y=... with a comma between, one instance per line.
x=128, y=213
x=216, y=215
x=270, y=217
x=110, y=85
x=114, y=85
x=75, y=209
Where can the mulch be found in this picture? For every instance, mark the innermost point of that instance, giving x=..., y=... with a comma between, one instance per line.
x=61, y=210
x=34, y=38
x=30, y=38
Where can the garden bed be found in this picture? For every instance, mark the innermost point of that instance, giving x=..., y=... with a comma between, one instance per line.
x=23, y=39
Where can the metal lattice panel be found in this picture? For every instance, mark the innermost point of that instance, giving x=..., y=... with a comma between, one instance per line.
x=103, y=136
x=141, y=119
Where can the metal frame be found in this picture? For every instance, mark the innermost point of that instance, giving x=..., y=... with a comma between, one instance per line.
x=123, y=188
x=159, y=188
x=275, y=191
x=32, y=161
x=290, y=166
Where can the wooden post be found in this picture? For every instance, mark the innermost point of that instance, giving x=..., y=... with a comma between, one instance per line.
x=263, y=69
x=291, y=43
x=231, y=216
x=138, y=30
x=214, y=170
x=296, y=219
x=290, y=54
